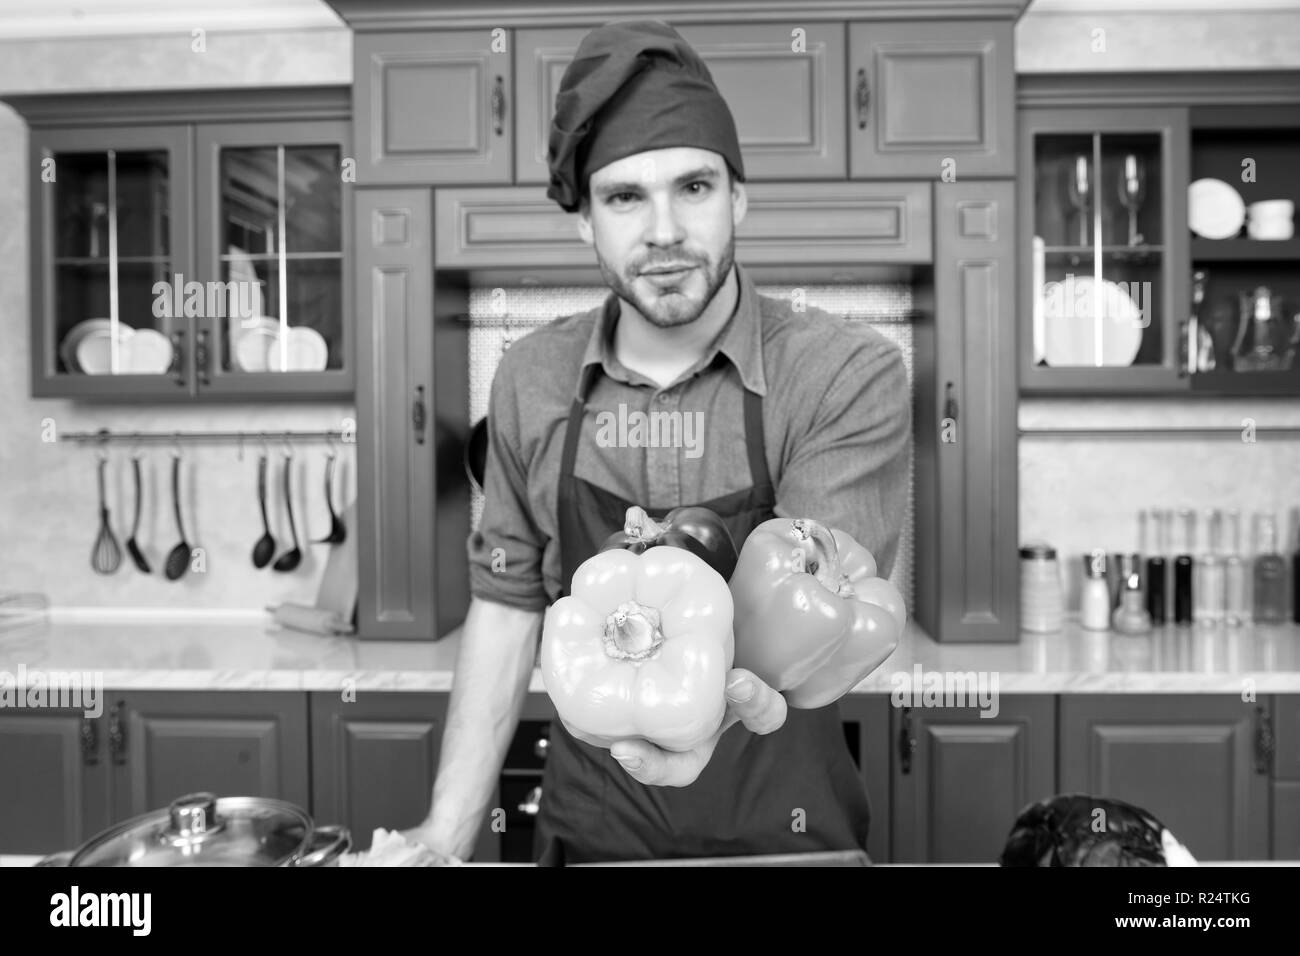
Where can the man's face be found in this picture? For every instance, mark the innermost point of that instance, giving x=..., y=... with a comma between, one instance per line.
x=663, y=226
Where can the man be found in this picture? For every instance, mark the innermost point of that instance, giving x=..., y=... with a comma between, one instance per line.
x=802, y=417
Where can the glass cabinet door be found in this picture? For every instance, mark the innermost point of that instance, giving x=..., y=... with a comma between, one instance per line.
x=273, y=226
x=107, y=242
x=1106, y=291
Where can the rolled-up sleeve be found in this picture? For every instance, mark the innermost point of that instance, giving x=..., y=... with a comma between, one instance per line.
x=850, y=469
x=505, y=553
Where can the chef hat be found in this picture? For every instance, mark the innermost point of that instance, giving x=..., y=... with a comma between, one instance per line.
x=633, y=86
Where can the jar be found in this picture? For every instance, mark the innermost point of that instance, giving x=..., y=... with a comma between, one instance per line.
x=1094, y=597
x=1041, y=602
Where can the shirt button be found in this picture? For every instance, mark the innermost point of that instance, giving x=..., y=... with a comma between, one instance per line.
x=664, y=398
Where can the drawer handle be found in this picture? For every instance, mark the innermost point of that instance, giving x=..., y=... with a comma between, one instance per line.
x=201, y=357
x=498, y=106
x=532, y=802
x=542, y=747
x=863, y=97
x=418, y=415
x=906, y=742
x=89, y=742
x=1264, y=743
x=117, y=734
x=950, y=404
x=178, y=353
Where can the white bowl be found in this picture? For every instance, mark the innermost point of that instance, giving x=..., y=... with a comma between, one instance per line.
x=1272, y=209
x=1272, y=231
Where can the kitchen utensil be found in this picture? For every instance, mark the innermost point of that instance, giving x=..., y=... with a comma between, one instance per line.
x=338, y=532
x=106, y=555
x=1132, y=190
x=146, y=352
x=200, y=829
x=1074, y=324
x=136, y=554
x=1080, y=188
x=265, y=546
x=1198, y=343
x=1214, y=209
x=476, y=446
x=291, y=558
x=1261, y=344
x=178, y=559
x=256, y=335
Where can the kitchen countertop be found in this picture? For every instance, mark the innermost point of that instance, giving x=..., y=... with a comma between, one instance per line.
x=249, y=652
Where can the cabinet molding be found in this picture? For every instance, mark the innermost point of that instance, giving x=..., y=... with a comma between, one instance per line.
x=134, y=107
x=1210, y=88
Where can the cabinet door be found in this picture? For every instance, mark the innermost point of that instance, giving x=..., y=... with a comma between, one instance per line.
x=784, y=83
x=54, y=787
x=395, y=486
x=961, y=779
x=967, y=577
x=432, y=106
x=110, y=221
x=165, y=744
x=922, y=94
x=374, y=759
x=866, y=729
x=1191, y=760
x=274, y=257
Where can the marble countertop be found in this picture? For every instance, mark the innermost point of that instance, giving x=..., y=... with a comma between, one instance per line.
x=250, y=652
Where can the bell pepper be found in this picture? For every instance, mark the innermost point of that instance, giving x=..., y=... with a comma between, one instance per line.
x=640, y=647
x=811, y=616
x=696, y=529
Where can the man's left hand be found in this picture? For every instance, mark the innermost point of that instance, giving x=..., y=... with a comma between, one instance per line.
x=749, y=701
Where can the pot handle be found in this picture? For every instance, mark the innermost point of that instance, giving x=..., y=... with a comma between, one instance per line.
x=327, y=845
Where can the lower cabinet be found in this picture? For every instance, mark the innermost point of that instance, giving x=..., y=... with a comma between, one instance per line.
x=1198, y=762
x=960, y=778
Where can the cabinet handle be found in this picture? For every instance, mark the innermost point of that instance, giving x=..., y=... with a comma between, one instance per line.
x=419, y=415
x=532, y=802
x=201, y=357
x=950, y=404
x=89, y=742
x=178, y=356
x=1263, y=741
x=542, y=747
x=117, y=735
x=863, y=97
x=498, y=106
x=906, y=742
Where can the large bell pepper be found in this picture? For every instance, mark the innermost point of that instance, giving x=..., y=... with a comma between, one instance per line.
x=811, y=616
x=696, y=529
x=640, y=647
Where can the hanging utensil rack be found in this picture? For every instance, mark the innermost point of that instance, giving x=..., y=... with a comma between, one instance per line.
x=108, y=435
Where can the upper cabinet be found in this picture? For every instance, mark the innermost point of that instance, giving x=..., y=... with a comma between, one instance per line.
x=932, y=100
x=190, y=245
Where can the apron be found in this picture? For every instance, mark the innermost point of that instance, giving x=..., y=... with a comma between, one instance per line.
x=793, y=791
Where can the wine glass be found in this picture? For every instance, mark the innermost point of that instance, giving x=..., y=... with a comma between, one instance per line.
x=1080, y=189
x=1132, y=190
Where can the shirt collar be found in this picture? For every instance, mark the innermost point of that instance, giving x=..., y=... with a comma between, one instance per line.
x=741, y=341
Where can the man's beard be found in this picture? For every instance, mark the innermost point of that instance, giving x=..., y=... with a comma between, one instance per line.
x=671, y=309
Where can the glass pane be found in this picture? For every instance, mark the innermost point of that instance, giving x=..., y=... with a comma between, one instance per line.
x=81, y=206
x=1133, y=285
x=313, y=198
x=1064, y=190
x=83, y=332
x=143, y=225
x=250, y=206
x=314, y=315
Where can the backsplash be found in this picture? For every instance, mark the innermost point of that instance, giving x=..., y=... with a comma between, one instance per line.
x=885, y=306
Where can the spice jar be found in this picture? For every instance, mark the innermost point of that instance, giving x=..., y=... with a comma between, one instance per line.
x=1094, y=599
x=1041, y=601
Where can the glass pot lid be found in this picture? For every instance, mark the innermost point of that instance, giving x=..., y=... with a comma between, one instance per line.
x=199, y=829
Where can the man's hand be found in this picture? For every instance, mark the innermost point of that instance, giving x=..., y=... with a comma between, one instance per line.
x=750, y=701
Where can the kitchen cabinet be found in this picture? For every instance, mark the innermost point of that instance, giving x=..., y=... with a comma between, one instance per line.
x=374, y=759
x=139, y=204
x=1286, y=775
x=54, y=788
x=967, y=570
x=784, y=82
x=1199, y=763
x=931, y=100
x=961, y=779
x=867, y=731
x=433, y=106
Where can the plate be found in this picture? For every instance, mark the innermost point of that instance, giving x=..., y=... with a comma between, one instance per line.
x=94, y=349
x=68, y=347
x=305, y=350
x=255, y=336
x=1071, y=329
x=1214, y=209
x=147, y=352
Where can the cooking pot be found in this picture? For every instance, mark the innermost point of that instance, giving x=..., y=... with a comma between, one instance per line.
x=199, y=829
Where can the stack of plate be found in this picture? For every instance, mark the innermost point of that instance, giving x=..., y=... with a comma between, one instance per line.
x=257, y=347
x=87, y=348
x=1214, y=209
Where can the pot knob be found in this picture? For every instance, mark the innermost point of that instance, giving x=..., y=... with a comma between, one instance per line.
x=193, y=814
x=532, y=804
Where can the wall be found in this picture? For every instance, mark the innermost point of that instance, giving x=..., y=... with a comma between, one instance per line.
x=48, y=509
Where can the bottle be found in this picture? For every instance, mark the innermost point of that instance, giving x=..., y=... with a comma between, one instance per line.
x=1183, y=567
x=1131, y=617
x=1209, y=589
x=1156, y=572
x=1269, y=574
x=1094, y=599
x=1236, y=597
x=1041, y=601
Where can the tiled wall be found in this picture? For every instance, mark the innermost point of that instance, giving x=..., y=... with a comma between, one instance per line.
x=886, y=307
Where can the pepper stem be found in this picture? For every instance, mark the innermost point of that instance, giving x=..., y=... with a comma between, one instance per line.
x=633, y=633
x=638, y=524
x=825, y=562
